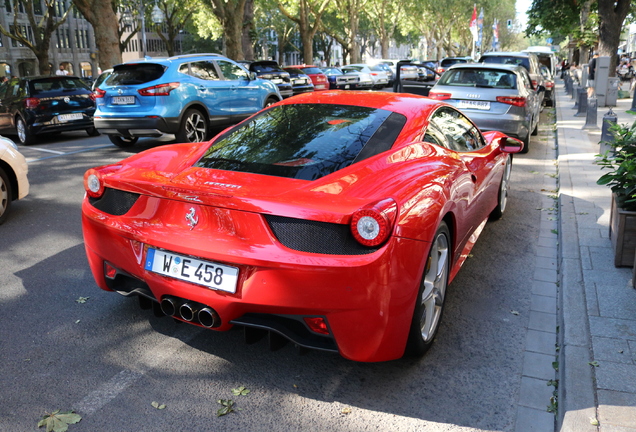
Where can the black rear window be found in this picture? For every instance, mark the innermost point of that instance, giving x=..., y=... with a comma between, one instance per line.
x=479, y=78
x=519, y=61
x=135, y=73
x=304, y=141
x=265, y=67
x=449, y=62
x=312, y=70
x=44, y=86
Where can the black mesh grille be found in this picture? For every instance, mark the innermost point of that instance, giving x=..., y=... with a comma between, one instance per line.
x=114, y=202
x=316, y=237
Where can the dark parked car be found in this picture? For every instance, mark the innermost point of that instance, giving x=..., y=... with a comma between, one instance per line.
x=270, y=70
x=301, y=82
x=46, y=104
x=449, y=61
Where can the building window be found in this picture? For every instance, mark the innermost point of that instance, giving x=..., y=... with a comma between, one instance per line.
x=37, y=7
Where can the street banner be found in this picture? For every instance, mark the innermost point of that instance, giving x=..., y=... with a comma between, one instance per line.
x=473, y=23
x=480, y=28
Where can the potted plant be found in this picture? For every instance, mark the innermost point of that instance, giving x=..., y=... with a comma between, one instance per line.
x=620, y=160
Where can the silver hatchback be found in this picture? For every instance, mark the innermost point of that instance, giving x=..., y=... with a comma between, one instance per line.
x=494, y=96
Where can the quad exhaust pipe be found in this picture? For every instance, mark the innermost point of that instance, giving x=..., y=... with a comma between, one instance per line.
x=190, y=312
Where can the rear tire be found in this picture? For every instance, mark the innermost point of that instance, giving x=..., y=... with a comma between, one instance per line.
x=194, y=127
x=24, y=133
x=429, y=305
x=122, y=142
x=269, y=101
x=5, y=196
x=92, y=132
x=504, y=187
x=526, y=144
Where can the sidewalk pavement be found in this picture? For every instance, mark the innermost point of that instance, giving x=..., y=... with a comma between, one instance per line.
x=597, y=319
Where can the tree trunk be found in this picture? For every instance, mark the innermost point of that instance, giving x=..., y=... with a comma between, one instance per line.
x=230, y=15
x=102, y=17
x=248, y=30
x=611, y=17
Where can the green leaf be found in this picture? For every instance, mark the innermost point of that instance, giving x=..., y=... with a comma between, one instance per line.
x=594, y=422
x=58, y=421
x=82, y=299
x=594, y=363
x=241, y=391
x=228, y=407
x=158, y=405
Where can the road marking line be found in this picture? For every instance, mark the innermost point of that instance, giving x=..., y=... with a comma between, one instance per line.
x=47, y=150
x=69, y=153
x=97, y=399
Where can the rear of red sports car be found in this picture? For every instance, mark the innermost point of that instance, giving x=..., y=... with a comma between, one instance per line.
x=300, y=229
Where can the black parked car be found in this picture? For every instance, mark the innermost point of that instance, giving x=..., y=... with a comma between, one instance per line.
x=46, y=104
x=301, y=82
x=270, y=70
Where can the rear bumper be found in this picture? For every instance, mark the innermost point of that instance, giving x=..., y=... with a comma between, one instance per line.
x=137, y=126
x=366, y=300
x=48, y=124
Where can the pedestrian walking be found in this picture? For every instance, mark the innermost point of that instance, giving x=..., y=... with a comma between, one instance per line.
x=591, y=72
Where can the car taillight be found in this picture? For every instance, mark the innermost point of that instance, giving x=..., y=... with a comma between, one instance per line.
x=534, y=83
x=159, y=90
x=549, y=84
x=440, y=70
x=372, y=225
x=98, y=93
x=93, y=183
x=439, y=96
x=512, y=100
x=31, y=102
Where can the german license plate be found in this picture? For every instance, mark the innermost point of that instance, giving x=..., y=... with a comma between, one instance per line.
x=209, y=274
x=123, y=100
x=69, y=117
x=347, y=87
x=277, y=80
x=480, y=105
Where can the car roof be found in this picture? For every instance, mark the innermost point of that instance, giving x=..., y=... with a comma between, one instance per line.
x=498, y=66
x=174, y=59
x=507, y=54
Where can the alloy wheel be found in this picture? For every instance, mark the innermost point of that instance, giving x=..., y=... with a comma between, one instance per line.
x=435, y=282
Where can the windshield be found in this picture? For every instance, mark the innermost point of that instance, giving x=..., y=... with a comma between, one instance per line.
x=479, y=78
x=304, y=141
x=519, y=61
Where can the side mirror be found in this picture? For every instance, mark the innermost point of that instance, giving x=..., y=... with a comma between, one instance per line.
x=252, y=76
x=510, y=145
x=540, y=89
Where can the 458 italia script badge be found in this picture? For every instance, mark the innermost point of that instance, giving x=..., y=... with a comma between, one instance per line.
x=192, y=219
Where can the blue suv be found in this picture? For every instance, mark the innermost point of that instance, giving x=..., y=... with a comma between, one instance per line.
x=183, y=95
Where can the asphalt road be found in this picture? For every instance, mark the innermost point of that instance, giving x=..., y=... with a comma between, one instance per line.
x=109, y=360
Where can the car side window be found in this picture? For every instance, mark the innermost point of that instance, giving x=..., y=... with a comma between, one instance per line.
x=434, y=136
x=527, y=82
x=231, y=71
x=204, y=70
x=461, y=134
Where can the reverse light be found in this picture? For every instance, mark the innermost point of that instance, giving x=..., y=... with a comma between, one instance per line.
x=159, y=90
x=519, y=101
x=372, y=225
x=317, y=325
x=98, y=93
x=439, y=96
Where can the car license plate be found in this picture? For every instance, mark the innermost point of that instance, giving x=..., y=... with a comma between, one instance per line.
x=209, y=274
x=123, y=100
x=480, y=105
x=347, y=87
x=277, y=81
x=69, y=117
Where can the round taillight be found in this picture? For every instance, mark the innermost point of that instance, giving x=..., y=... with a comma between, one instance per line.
x=93, y=183
x=372, y=225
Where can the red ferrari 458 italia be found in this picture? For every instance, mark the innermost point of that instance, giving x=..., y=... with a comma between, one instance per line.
x=334, y=220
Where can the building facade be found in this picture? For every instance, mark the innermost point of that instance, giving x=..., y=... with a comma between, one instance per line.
x=72, y=44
